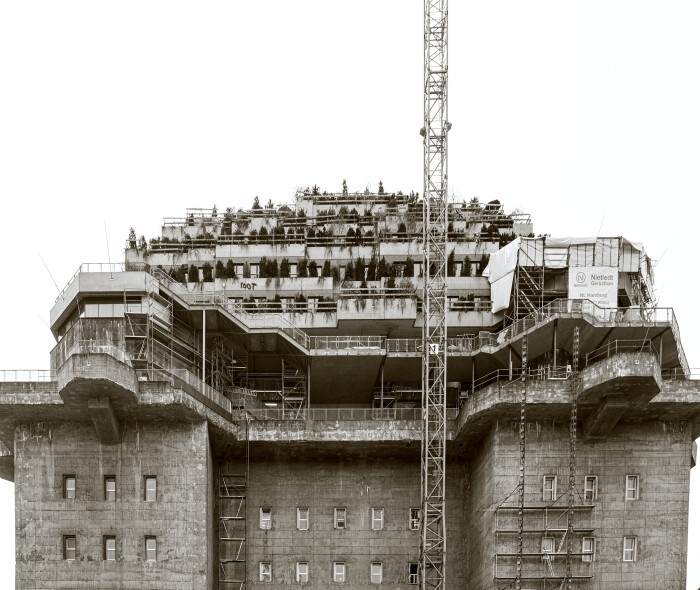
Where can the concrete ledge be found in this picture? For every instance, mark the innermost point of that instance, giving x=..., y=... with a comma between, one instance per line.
x=83, y=375
x=636, y=375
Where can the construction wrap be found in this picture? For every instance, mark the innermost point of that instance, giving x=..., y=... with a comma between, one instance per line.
x=499, y=271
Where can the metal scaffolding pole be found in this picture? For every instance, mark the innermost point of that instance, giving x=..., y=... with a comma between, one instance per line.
x=434, y=132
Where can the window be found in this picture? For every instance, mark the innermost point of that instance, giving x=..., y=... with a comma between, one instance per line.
x=547, y=547
x=254, y=270
x=110, y=488
x=549, y=488
x=150, y=549
x=292, y=270
x=414, y=519
x=266, y=518
x=69, y=487
x=303, y=519
x=339, y=571
x=590, y=488
x=629, y=551
x=377, y=519
x=412, y=573
x=266, y=571
x=302, y=571
x=588, y=549
x=109, y=548
x=376, y=572
x=69, y=547
x=150, y=488
x=340, y=516
x=632, y=487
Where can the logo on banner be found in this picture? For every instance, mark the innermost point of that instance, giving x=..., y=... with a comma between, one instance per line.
x=581, y=277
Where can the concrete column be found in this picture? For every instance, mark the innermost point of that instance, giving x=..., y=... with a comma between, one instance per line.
x=554, y=345
x=473, y=372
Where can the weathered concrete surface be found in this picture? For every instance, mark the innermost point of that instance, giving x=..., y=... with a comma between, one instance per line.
x=634, y=374
x=175, y=452
x=104, y=420
x=83, y=375
x=603, y=419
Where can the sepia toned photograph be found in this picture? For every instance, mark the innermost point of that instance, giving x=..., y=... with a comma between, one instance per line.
x=349, y=294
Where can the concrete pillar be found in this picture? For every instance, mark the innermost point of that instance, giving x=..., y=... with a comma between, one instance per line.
x=204, y=344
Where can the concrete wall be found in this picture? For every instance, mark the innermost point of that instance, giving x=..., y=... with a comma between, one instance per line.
x=656, y=451
x=358, y=485
x=177, y=453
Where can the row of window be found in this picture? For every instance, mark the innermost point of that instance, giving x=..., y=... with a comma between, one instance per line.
x=110, y=488
x=339, y=572
x=629, y=548
x=109, y=548
x=590, y=488
x=340, y=518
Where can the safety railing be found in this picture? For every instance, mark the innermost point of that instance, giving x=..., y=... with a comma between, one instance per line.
x=543, y=373
x=679, y=374
x=619, y=346
x=344, y=414
x=92, y=267
x=404, y=345
x=27, y=376
x=173, y=375
x=347, y=342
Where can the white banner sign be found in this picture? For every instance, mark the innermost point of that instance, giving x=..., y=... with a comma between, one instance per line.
x=596, y=283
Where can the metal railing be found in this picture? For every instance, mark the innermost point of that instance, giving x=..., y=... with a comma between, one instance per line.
x=679, y=374
x=93, y=267
x=172, y=375
x=59, y=355
x=620, y=346
x=347, y=342
x=344, y=414
x=27, y=376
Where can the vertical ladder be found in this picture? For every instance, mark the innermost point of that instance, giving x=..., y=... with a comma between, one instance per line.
x=521, y=472
x=232, y=531
x=572, y=459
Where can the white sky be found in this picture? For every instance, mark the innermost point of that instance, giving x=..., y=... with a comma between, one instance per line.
x=125, y=112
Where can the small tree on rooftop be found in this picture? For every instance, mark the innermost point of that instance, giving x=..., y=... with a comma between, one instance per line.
x=262, y=273
x=451, y=264
x=483, y=263
x=230, y=270
x=350, y=271
x=380, y=190
x=256, y=203
x=263, y=231
x=466, y=267
x=302, y=268
x=335, y=273
x=207, y=276
x=345, y=187
x=360, y=269
x=246, y=270
x=326, y=272
x=193, y=274
x=372, y=269
x=313, y=269
x=285, y=268
x=273, y=269
x=408, y=269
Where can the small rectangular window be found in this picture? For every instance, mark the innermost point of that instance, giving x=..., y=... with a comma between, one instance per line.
x=303, y=519
x=590, y=488
x=587, y=549
x=266, y=571
x=377, y=519
x=376, y=572
x=69, y=487
x=547, y=548
x=302, y=571
x=110, y=488
x=632, y=487
x=109, y=548
x=340, y=518
x=151, y=549
x=69, y=546
x=150, y=488
x=629, y=552
x=339, y=571
x=266, y=518
x=293, y=270
x=412, y=573
x=254, y=270
x=549, y=488
x=414, y=519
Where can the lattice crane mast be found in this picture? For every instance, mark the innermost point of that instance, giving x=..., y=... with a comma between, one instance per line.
x=434, y=132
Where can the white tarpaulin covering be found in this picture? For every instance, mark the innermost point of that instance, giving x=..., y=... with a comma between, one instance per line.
x=590, y=256
x=500, y=271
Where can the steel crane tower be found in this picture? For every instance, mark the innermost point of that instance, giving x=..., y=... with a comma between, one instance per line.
x=434, y=132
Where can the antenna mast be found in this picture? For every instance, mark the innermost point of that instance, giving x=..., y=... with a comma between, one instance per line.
x=434, y=132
